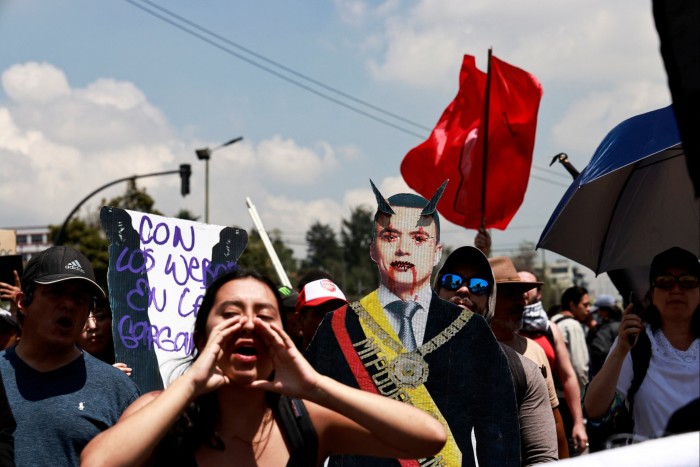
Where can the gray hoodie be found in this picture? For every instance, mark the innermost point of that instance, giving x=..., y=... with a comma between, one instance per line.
x=474, y=256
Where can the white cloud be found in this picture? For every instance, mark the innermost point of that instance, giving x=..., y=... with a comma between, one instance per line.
x=591, y=117
x=352, y=11
x=34, y=82
x=112, y=93
x=419, y=58
x=284, y=159
x=64, y=143
x=357, y=12
x=359, y=197
x=598, y=62
x=276, y=160
x=393, y=185
x=293, y=215
x=422, y=46
x=107, y=113
x=364, y=196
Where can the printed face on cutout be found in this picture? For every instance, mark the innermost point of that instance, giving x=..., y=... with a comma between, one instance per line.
x=405, y=249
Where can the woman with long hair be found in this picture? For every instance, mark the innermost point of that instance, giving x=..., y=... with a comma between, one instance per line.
x=250, y=398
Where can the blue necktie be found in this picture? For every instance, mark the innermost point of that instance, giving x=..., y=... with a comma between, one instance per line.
x=405, y=311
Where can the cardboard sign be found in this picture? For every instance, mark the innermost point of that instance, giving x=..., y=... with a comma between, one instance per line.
x=8, y=242
x=159, y=268
x=402, y=341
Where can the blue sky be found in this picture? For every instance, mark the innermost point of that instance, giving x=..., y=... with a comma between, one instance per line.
x=95, y=91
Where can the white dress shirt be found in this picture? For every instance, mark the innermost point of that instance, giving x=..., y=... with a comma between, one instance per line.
x=420, y=318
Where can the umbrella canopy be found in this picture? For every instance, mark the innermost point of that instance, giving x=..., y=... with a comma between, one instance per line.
x=633, y=200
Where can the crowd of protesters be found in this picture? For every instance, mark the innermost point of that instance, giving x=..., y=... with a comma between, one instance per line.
x=285, y=377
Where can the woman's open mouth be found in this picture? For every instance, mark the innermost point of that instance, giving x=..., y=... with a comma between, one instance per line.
x=245, y=353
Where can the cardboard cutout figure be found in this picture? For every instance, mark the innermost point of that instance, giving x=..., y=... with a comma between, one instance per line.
x=159, y=268
x=404, y=342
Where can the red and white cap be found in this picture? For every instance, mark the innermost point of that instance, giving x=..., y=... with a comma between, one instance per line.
x=318, y=292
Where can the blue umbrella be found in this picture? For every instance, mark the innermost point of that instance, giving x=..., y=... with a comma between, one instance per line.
x=633, y=200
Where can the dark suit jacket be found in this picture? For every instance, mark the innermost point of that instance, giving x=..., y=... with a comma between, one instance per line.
x=469, y=380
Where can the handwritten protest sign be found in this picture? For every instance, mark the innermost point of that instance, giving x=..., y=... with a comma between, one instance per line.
x=159, y=268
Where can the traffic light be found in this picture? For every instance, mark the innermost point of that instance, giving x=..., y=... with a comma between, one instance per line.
x=203, y=154
x=185, y=172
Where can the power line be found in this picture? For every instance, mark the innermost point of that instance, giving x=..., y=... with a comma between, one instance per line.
x=187, y=26
x=289, y=70
x=278, y=74
x=552, y=172
x=536, y=177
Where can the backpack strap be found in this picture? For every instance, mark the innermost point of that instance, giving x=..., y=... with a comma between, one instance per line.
x=518, y=373
x=559, y=319
x=550, y=337
x=641, y=355
x=558, y=386
x=298, y=430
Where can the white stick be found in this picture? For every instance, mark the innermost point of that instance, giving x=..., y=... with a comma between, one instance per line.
x=268, y=245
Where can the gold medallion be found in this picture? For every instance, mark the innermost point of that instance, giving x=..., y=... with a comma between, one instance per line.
x=409, y=370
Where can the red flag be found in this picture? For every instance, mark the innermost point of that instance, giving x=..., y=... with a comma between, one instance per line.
x=455, y=148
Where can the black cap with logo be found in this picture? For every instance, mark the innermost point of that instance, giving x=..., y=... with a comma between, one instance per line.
x=58, y=264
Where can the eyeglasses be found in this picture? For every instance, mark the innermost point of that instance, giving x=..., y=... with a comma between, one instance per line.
x=686, y=281
x=476, y=285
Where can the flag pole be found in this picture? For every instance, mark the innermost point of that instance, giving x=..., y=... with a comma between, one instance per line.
x=279, y=269
x=485, y=139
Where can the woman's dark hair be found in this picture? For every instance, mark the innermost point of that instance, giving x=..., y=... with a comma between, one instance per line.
x=572, y=294
x=107, y=355
x=197, y=426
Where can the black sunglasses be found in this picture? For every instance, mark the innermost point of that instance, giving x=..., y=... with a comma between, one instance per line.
x=685, y=281
x=476, y=285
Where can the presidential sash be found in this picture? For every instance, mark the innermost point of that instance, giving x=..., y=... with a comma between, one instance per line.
x=381, y=365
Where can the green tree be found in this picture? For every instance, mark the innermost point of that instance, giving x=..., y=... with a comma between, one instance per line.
x=187, y=215
x=87, y=236
x=323, y=251
x=361, y=274
x=255, y=255
x=134, y=199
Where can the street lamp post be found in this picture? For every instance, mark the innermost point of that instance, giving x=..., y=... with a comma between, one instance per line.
x=205, y=155
x=184, y=171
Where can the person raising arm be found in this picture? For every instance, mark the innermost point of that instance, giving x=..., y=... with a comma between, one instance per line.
x=244, y=361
